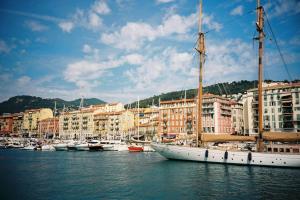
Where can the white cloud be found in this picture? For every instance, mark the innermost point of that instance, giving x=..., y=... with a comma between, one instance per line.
x=237, y=10
x=134, y=34
x=161, y=68
x=86, y=72
x=94, y=20
x=131, y=36
x=4, y=48
x=86, y=48
x=134, y=59
x=24, y=80
x=66, y=26
x=35, y=26
x=100, y=7
x=164, y=1
x=88, y=19
x=282, y=7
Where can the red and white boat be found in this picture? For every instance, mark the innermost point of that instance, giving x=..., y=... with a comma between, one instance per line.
x=135, y=148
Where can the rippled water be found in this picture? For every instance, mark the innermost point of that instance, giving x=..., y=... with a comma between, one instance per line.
x=123, y=175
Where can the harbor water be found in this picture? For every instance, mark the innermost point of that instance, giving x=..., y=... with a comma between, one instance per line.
x=123, y=175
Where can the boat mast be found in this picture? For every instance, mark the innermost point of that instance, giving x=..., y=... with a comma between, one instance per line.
x=138, y=122
x=261, y=35
x=201, y=51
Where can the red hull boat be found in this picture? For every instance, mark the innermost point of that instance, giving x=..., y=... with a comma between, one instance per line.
x=135, y=148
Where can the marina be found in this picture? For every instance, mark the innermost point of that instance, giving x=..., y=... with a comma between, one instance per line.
x=159, y=99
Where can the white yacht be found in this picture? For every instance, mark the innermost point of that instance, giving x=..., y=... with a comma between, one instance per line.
x=47, y=147
x=264, y=155
x=61, y=147
x=84, y=146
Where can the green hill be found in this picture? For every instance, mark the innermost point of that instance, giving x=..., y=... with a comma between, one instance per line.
x=22, y=103
x=219, y=89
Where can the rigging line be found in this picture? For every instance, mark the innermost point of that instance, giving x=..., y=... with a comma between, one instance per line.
x=219, y=88
x=280, y=53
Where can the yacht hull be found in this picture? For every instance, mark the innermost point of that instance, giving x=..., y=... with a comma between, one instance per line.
x=232, y=157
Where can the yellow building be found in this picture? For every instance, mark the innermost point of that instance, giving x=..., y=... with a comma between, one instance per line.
x=87, y=122
x=77, y=124
x=113, y=125
x=32, y=117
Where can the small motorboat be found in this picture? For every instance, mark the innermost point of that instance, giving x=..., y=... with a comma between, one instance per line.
x=95, y=147
x=82, y=147
x=47, y=147
x=61, y=147
x=135, y=148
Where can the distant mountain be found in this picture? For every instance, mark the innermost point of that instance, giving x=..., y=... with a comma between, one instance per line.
x=225, y=88
x=22, y=103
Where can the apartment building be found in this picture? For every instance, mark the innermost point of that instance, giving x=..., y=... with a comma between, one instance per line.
x=237, y=119
x=17, y=126
x=179, y=117
x=49, y=128
x=94, y=121
x=77, y=124
x=281, y=108
x=6, y=124
x=32, y=117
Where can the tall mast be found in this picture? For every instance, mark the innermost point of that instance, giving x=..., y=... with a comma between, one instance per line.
x=261, y=35
x=201, y=51
x=138, y=122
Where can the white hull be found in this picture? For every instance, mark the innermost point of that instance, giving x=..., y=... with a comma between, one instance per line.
x=48, y=148
x=61, y=147
x=233, y=157
x=122, y=147
x=148, y=148
x=109, y=147
x=29, y=148
x=82, y=147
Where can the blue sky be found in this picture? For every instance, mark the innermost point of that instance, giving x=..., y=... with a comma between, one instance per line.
x=118, y=50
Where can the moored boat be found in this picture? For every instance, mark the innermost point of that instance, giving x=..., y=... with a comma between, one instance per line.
x=276, y=157
x=135, y=148
x=61, y=147
x=82, y=147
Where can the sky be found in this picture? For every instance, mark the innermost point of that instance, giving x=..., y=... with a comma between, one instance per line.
x=119, y=50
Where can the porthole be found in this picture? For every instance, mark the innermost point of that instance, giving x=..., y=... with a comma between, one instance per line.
x=252, y=160
x=284, y=162
x=242, y=160
x=260, y=161
x=272, y=161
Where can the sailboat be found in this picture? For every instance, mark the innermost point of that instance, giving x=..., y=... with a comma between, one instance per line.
x=209, y=155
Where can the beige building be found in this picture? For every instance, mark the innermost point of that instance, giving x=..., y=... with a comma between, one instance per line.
x=32, y=117
x=101, y=125
x=237, y=118
x=17, y=126
x=120, y=125
x=91, y=122
x=77, y=124
x=281, y=108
